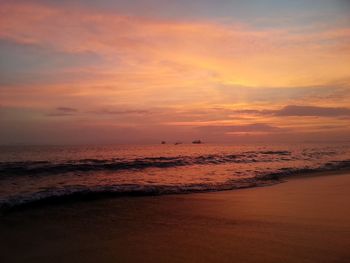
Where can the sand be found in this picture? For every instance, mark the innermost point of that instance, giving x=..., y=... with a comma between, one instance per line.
x=302, y=220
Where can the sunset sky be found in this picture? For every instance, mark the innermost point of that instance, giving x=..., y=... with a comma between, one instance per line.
x=127, y=71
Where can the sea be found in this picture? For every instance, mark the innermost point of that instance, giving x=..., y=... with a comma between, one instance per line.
x=34, y=174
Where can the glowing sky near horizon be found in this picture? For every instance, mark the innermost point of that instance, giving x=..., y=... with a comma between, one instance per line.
x=144, y=71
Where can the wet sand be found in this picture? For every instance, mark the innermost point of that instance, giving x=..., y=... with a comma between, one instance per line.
x=303, y=220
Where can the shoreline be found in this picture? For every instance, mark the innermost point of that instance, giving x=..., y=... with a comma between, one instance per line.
x=92, y=196
x=302, y=220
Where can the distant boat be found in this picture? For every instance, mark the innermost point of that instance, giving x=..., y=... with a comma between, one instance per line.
x=197, y=142
x=177, y=143
x=163, y=142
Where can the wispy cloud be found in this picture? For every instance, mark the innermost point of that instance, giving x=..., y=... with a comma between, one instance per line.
x=106, y=67
x=293, y=110
x=62, y=112
x=66, y=109
x=119, y=112
x=248, y=128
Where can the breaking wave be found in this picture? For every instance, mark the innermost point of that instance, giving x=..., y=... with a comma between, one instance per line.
x=114, y=164
x=75, y=193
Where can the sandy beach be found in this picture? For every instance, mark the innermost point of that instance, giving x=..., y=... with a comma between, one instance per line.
x=303, y=220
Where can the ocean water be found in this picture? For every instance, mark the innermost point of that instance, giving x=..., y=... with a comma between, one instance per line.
x=38, y=173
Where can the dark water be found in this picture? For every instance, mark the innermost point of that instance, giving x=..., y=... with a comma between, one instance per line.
x=32, y=173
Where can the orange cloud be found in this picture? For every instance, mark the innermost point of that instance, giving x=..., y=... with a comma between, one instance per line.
x=146, y=63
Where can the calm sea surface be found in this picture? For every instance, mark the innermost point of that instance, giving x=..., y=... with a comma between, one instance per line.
x=32, y=173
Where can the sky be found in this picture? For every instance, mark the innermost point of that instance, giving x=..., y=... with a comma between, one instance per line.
x=90, y=72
